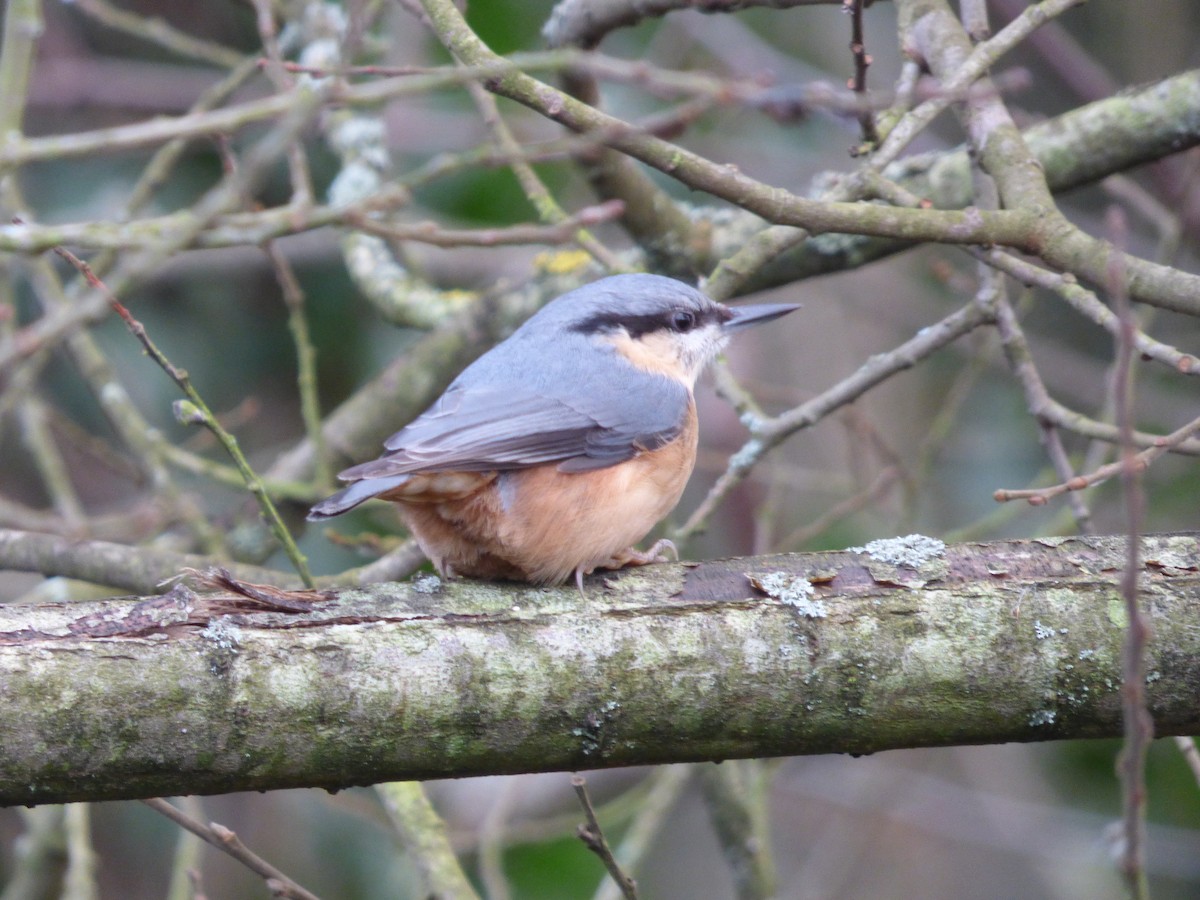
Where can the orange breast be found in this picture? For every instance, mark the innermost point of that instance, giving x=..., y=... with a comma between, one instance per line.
x=540, y=524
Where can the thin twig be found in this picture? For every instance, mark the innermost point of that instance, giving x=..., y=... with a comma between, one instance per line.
x=228, y=842
x=566, y=228
x=143, y=447
x=195, y=411
x=1061, y=460
x=306, y=360
x=969, y=70
x=491, y=840
x=735, y=794
x=79, y=882
x=869, y=496
x=1087, y=304
x=156, y=30
x=766, y=434
x=422, y=833
x=666, y=785
x=1139, y=727
x=548, y=209
x=22, y=25
x=1138, y=462
x=219, y=199
x=185, y=874
x=200, y=123
x=298, y=169
x=862, y=61
x=593, y=838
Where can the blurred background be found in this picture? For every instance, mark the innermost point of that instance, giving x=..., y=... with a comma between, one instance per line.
x=923, y=452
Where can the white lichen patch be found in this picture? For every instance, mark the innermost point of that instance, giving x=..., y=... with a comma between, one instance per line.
x=1041, y=632
x=750, y=452
x=591, y=734
x=912, y=551
x=427, y=583
x=1043, y=717
x=792, y=590
x=225, y=635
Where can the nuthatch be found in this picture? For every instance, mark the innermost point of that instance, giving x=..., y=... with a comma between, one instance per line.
x=559, y=449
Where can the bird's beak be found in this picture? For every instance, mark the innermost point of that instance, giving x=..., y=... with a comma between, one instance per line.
x=745, y=316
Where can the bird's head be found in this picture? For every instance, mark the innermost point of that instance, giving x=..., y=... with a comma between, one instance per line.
x=657, y=323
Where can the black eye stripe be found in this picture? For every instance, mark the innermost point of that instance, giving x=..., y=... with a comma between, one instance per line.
x=640, y=325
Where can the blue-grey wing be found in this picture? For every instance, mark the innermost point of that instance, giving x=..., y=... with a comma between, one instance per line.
x=513, y=426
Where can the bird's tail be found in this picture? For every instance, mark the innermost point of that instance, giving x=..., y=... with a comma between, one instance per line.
x=349, y=497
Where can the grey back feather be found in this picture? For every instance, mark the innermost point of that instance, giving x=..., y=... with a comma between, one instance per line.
x=551, y=393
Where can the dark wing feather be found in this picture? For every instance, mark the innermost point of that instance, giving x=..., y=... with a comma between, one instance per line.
x=513, y=427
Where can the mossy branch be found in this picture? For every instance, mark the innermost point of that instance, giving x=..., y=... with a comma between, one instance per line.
x=984, y=643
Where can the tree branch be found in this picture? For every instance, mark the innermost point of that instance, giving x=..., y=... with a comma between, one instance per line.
x=1034, y=229
x=984, y=643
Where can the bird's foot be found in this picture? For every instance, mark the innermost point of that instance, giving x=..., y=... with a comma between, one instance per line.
x=635, y=557
x=632, y=557
x=655, y=554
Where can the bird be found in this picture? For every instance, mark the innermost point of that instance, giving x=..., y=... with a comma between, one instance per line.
x=558, y=450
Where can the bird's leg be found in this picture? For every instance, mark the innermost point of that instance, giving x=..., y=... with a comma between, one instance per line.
x=630, y=557
x=635, y=557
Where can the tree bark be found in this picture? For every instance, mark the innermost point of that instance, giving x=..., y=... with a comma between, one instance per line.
x=849, y=652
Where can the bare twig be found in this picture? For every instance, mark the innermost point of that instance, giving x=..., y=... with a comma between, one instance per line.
x=145, y=448
x=593, y=838
x=966, y=73
x=993, y=291
x=156, y=30
x=548, y=209
x=22, y=25
x=736, y=798
x=306, y=360
x=228, y=842
x=666, y=785
x=121, y=566
x=423, y=835
x=1052, y=440
x=79, y=882
x=185, y=873
x=1137, y=462
x=491, y=840
x=766, y=434
x=195, y=411
x=565, y=230
x=38, y=871
x=225, y=195
x=298, y=169
x=1088, y=305
x=1139, y=727
x=862, y=61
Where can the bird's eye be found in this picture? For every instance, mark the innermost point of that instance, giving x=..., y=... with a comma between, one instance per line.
x=682, y=320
